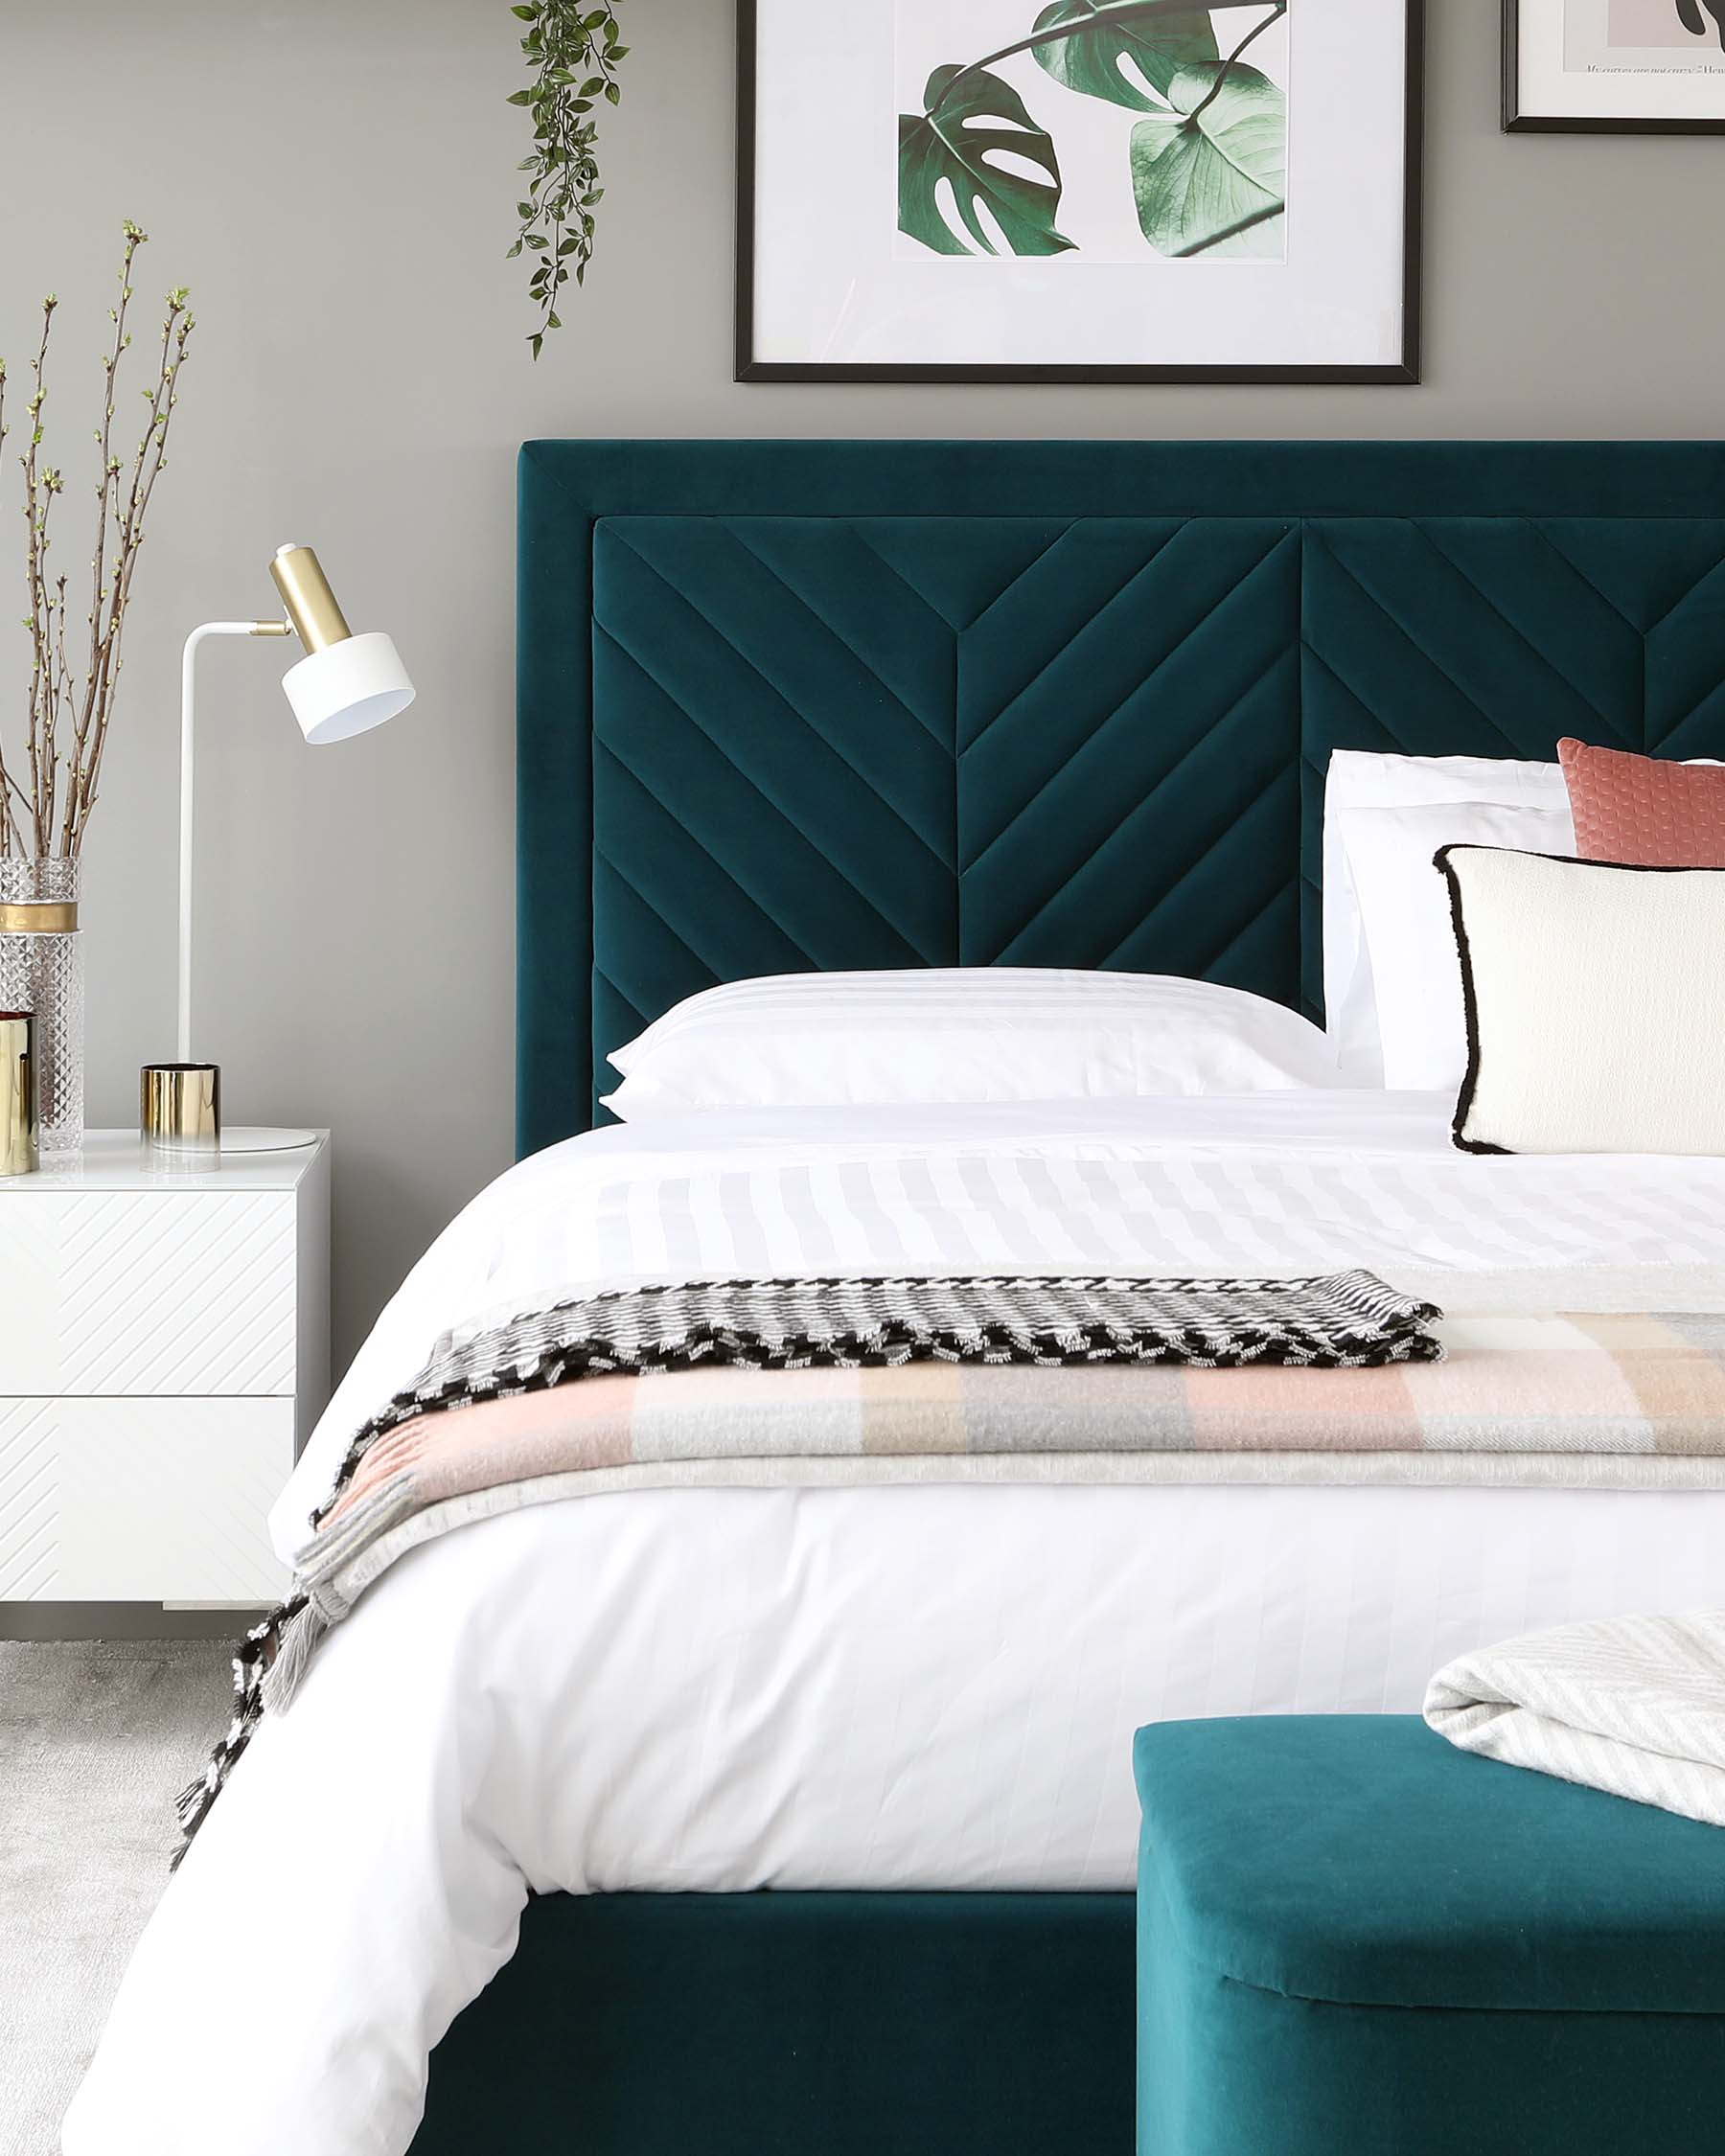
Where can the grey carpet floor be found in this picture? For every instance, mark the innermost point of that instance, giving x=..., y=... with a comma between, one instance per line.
x=95, y=1738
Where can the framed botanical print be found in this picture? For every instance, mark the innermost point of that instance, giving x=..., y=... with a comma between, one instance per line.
x=1614, y=67
x=1078, y=191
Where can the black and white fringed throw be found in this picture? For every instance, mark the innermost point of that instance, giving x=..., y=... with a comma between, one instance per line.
x=1342, y=1320
x=1338, y=1321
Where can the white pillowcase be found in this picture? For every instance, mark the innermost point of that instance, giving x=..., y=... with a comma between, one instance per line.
x=967, y=1034
x=1466, y=787
x=1596, y=1004
x=1409, y=942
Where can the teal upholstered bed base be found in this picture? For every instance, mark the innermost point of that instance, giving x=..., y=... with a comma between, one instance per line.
x=798, y=2025
x=831, y=705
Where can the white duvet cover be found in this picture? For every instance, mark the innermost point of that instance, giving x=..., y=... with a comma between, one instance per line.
x=906, y=1687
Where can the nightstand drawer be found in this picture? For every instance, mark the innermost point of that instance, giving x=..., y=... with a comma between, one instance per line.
x=147, y=1499
x=170, y=1292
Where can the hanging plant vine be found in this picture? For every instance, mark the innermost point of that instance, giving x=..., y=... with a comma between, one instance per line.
x=573, y=50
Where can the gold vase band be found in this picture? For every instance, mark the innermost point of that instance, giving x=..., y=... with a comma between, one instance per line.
x=39, y=917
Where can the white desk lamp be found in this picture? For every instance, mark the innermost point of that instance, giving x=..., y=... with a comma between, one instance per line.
x=344, y=685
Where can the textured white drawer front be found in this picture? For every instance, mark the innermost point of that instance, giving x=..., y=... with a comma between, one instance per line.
x=31, y=1499
x=149, y=1500
x=147, y=1292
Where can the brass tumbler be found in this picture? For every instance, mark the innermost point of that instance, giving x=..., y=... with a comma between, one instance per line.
x=180, y=1108
x=17, y=1093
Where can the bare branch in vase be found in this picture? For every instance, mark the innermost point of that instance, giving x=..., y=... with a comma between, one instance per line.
x=53, y=815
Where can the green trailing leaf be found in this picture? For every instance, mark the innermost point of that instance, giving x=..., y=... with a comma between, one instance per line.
x=572, y=53
x=1211, y=176
x=971, y=121
x=1089, y=59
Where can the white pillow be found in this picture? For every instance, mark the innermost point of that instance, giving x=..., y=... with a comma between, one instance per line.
x=1404, y=911
x=1360, y=779
x=1596, y=1004
x=966, y=1034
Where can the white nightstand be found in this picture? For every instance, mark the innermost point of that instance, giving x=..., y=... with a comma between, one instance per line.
x=164, y=1349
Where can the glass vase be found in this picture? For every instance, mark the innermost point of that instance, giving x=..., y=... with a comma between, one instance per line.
x=41, y=970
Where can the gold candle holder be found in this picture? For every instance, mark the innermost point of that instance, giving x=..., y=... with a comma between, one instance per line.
x=17, y=1093
x=180, y=1108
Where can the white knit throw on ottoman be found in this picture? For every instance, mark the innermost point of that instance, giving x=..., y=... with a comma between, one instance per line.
x=1633, y=1705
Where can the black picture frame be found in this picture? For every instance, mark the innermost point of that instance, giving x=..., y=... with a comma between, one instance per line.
x=1516, y=121
x=1403, y=372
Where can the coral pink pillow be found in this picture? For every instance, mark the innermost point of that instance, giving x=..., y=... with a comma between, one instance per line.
x=1644, y=809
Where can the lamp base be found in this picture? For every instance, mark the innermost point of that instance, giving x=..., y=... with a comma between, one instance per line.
x=260, y=1140
x=180, y=1108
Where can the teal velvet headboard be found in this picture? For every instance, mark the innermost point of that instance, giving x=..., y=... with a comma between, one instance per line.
x=834, y=704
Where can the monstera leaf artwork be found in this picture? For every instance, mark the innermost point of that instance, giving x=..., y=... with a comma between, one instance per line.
x=976, y=134
x=1210, y=175
x=1095, y=41
x=1085, y=190
x=1205, y=164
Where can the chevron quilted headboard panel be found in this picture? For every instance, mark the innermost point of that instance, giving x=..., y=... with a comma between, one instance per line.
x=839, y=704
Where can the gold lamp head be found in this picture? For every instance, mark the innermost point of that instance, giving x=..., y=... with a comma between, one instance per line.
x=318, y=622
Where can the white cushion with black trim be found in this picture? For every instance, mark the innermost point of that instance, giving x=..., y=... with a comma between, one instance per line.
x=1594, y=997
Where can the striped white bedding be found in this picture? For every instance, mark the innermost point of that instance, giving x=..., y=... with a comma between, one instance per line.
x=1281, y=1183
x=906, y=1686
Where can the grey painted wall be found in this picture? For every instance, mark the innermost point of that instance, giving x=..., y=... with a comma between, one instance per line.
x=333, y=178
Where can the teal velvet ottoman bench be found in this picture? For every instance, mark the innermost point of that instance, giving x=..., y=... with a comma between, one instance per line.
x=1356, y=1940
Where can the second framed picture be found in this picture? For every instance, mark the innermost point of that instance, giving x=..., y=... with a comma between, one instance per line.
x=1614, y=67
x=1081, y=191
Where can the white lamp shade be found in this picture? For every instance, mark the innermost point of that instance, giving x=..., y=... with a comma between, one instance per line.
x=346, y=688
